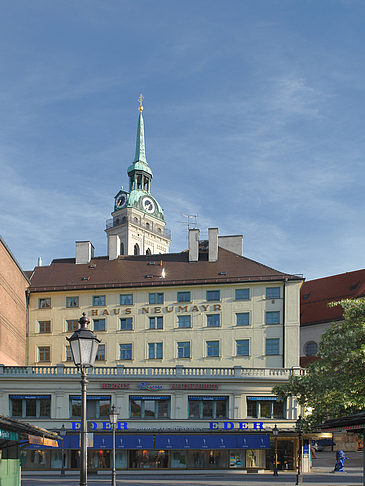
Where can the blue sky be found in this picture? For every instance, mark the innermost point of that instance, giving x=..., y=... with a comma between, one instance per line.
x=253, y=110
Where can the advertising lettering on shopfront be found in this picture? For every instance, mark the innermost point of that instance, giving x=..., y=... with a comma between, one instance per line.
x=173, y=386
x=156, y=309
x=212, y=426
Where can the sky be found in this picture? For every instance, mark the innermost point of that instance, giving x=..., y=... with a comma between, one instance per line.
x=254, y=121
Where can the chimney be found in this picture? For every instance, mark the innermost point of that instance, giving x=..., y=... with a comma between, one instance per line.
x=113, y=247
x=193, y=245
x=212, y=244
x=39, y=262
x=84, y=252
x=233, y=243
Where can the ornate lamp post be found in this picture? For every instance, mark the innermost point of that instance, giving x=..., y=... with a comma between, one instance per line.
x=84, y=346
x=113, y=417
x=275, y=432
x=299, y=429
x=62, y=434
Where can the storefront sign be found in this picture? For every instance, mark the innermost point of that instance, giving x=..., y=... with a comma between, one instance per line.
x=237, y=425
x=116, y=386
x=194, y=386
x=173, y=386
x=156, y=309
x=9, y=435
x=212, y=425
x=147, y=386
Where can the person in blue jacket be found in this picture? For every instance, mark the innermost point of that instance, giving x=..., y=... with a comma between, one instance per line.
x=340, y=461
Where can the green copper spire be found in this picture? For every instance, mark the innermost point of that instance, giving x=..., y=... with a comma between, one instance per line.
x=140, y=145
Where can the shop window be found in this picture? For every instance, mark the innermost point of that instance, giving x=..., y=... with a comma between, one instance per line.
x=149, y=407
x=242, y=294
x=72, y=325
x=212, y=348
x=184, y=321
x=125, y=351
x=126, y=299
x=44, y=354
x=273, y=292
x=265, y=407
x=272, y=346
x=208, y=407
x=311, y=348
x=183, y=297
x=98, y=300
x=243, y=319
x=155, y=298
x=99, y=324
x=96, y=406
x=213, y=295
x=126, y=323
x=242, y=347
x=213, y=320
x=272, y=317
x=44, y=327
x=154, y=350
x=44, y=303
x=156, y=322
x=183, y=349
x=72, y=302
x=100, y=355
x=30, y=405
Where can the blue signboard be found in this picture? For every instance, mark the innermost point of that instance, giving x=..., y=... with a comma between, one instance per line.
x=213, y=441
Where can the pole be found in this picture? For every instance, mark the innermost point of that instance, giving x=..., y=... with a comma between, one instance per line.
x=63, y=459
x=113, y=470
x=276, y=456
x=363, y=457
x=83, y=458
x=299, y=475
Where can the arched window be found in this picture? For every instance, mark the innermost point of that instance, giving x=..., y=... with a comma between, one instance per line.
x=136, y=249
x=124, y=220
x=148, y=225
x=311, y=348
x=135, y=220
x=148, y=251
x=121, y=248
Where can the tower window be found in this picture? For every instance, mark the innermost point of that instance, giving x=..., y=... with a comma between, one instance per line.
x=148, y=251
x=136, y=249
x=121, y=248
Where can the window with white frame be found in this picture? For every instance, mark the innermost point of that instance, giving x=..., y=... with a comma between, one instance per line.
x=126, y=299
x=242, y=347
x=155, y=298
x=155, y=350
x=183, y=349
x=242, y=294
x=126, y=323
x=72, y=325
x=149, y=407
x=273, y=292
x=44, y=327
x=212, y=348
x=156, y=322
x=98, y=300
x=99, y=324
x=100, y=355
x=243, y=319
x=30, y=405
x=213, y=320
x=213, y=295
x=183, y=297
x=265, y=407
x=44, y=354
x=44, y=303
x=272, y=317
x=208, y=407
x=72, y=301
x=125, y=351
x=184, y=321
x=272, y=346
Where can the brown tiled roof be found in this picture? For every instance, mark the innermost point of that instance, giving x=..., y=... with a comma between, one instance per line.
x=139, y=271
x=315, y=295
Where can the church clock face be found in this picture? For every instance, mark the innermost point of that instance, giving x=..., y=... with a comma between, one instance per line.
x=121, y=200
x=148, y=205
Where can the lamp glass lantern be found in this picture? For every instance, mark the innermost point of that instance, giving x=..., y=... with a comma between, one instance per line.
x=84, y=345
x=113, y=416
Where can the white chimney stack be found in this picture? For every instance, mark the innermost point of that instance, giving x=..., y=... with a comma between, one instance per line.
x=212, y=244
x=84, y=252
x=193, y=245
x=113, y=247
x=39, y=262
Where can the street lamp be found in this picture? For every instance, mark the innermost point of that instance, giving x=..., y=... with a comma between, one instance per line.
x=113, y=417
x=299, y=429
x=84, y=346
x=62, y=434
x=275, y=432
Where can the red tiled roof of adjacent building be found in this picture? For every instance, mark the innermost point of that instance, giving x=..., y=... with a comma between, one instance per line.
x=145, y=270
x=315, y=295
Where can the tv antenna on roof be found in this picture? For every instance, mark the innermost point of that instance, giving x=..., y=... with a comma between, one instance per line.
x=191, y=221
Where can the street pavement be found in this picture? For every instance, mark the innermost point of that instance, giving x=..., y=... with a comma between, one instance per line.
x=321, y=475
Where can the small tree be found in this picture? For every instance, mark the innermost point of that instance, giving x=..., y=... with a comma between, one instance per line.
x=334, y=385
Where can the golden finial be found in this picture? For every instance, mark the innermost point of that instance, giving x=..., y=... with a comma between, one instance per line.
x=140, y=100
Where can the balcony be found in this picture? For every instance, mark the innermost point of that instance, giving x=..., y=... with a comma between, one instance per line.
x=114, y=223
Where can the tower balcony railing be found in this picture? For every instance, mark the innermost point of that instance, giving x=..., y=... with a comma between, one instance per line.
x=114, y=222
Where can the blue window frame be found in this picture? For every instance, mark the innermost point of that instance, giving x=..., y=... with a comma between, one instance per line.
x=44, y=303
x=272, y=317
x=213, y=295
x=126, y=299
x=272, y=346
x=72, y=302
x=243, y=347
x=273, y=293
x=99, y=324
x=154, y=350
x=243, y=319
x=213, y=348
x=100, y=355
x=125, y=351
x=183, y=350
x=184, y=321
x=242, y=294
x=126, y=323
x=155, y=298
x=156, y=322
x=98, y=300
x=213, y=320
x=183, y=297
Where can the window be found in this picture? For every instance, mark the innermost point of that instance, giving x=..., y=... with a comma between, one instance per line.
x=183, y=297
x=207, y=407
x=72, y=302
x=149, y=407
x=96, y=406
x=265, y=407
x=272, y=346
x=155, y=298
x=126, y=323
x=98, y=300
x=68, y=354
x=100, y=355
x=242, y=294
x=125, y=351
x=213, y=295
x=99, y=324
x=213, y=320
x=273, y=293
x=156, y=322
x=30, y=405
x=126, y=299
x=183, y=350
x=272, y=317
x=44, y=327
x=72, y=325
x=213, y=348
x=44, y=354
x=44, y=303
x=154, y=350
x=242, y=347
x=311, y=348
x=243, y=319
x=183, y=321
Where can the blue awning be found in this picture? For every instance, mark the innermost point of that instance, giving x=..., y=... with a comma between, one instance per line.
x=213, y=441
x=193, y=397
x=271, y=399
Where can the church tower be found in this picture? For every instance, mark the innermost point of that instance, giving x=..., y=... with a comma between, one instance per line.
x=138, y=223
